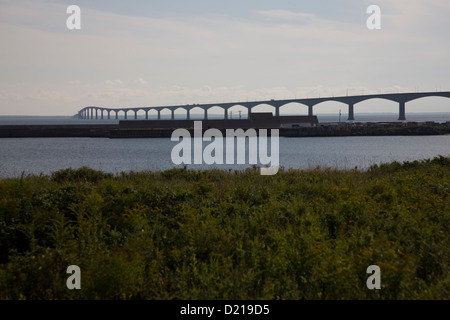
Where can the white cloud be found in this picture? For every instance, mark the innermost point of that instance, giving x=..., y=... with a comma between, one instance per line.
x=209, y=59
x=114, y=82
x=287, y=15
x=140, y=81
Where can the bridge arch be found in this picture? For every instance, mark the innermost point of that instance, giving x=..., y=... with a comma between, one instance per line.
x=101, y=113
x=181, y=113
x=263, y=107
x=126, y=113
x=430, y=104
x=336, y=110
x=216, y=112
x=165, y=113
x=387, y=106
x=238, y=111
x=139, y=113
x=293, y=108
x=152, y=114
x=382, y=104
x=197, y=113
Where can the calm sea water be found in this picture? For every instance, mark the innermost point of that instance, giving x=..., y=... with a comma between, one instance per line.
x=45, y=155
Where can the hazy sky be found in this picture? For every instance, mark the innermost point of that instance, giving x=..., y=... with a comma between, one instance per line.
x=149, y=53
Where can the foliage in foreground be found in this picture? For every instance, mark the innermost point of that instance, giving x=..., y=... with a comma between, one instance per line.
x=184, y=234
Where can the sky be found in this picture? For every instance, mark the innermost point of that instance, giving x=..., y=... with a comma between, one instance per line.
x=156, y=53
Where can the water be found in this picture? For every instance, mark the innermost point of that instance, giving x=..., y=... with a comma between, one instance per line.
x=44, y=155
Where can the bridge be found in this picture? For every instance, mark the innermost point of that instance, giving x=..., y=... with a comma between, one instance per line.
x=93, y=112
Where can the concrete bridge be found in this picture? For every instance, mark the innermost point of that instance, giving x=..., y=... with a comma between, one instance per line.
x=93, y=112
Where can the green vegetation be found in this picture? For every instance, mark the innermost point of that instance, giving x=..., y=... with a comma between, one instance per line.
x=182, y=234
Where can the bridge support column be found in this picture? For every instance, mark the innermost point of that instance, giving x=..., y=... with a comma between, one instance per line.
x=172, y=114
x=310, y=111
x=101, y=112
x=146, y=114
x=401, y=111
x=96, y=114
x=188, y=115
x=126, y=114
x=92, y=113
x=109, y=114
x=159, y=114
x=117, y=114
x=351, y=115
x=277, y=111
x=135, y=114
x=226, y=114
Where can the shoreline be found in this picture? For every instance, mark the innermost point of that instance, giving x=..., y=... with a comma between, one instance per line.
x=321, y=130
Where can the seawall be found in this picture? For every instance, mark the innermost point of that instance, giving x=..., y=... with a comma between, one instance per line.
x=120, y=131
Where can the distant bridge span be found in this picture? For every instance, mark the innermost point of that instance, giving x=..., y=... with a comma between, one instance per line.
x=400, y=98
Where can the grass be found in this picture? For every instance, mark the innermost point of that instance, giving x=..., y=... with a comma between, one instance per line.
x=183, y=234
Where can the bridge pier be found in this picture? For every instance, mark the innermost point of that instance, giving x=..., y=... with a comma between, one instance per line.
x=226, y=114
x=188, y=115
x=401, y=111
x=277, y=111
x=92, y=113
x=172, y=114
x=351, y=114
x=135, y=115
x=146, y=114
x=126, y=114
x=109, y=114
x=96, y=114
x=101, y=112
x=310, y=111
x=159, y=114
x=117, y=114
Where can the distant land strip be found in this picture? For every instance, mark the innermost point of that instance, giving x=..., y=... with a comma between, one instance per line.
x=123, y=131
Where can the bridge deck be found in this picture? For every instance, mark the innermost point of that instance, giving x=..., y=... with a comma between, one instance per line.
x=400, y=98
